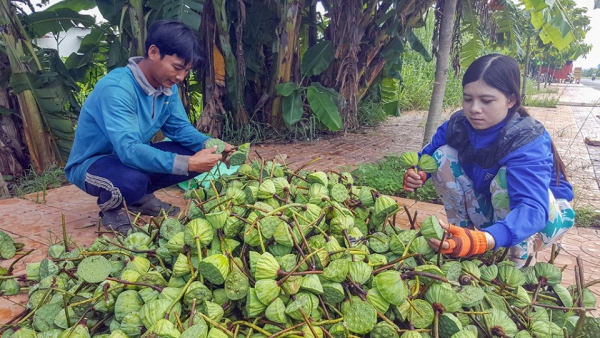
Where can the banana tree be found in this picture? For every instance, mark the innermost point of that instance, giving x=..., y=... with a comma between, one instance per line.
x=41, y=82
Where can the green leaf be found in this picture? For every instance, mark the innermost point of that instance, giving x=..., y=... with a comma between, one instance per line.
x=417, y=46
x=470, y=51
x=324, y=108
x=76, y=5
x=292, y=108
x=285, y=89
x=317, y=58
x=5, y=111
x=111, y=9
x=538, y=4
x=56, y=21
x=186, y=11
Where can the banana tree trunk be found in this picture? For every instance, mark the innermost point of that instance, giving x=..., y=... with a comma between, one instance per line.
x=287, y=45
x=38, y=141
x=347, y=31
x=441, y=70
x=12, y=158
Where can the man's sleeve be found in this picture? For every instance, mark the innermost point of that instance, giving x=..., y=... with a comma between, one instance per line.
x=178, y=128
x=119, y=120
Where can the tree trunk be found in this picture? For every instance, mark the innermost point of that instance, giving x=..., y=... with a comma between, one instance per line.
x=12, y=157
x=526, y=70
x=347, y=33
x=287, y=44
x=441, y=70
x=3, y=189
x=38, y=141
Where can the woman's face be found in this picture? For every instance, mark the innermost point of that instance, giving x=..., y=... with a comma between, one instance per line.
x=485, y=106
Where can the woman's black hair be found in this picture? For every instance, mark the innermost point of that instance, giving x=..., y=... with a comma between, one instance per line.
x=502, y=73
x=173, y=37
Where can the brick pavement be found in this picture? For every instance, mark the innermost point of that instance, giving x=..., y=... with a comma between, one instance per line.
x=36, y=220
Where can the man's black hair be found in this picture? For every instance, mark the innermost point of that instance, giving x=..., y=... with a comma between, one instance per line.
x=173, y=37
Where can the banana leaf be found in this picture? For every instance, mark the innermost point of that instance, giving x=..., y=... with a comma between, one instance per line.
x=55, y=21
x=52, y=89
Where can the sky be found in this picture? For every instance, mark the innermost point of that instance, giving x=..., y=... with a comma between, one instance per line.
x=592, y=60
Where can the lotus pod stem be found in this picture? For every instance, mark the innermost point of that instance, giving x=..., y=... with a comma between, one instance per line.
x=285, y=278
x=250, y=325
x=217, y=325
x=154, y=287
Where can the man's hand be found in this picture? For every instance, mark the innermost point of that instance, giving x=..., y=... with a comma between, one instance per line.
x=204, y=160
x=463, y=242
x=414, y=180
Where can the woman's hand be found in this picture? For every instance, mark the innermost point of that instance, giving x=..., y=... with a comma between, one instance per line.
x=414, y=180
x=463, y=242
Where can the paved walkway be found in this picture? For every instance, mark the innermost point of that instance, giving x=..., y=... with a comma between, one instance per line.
x=35, y=220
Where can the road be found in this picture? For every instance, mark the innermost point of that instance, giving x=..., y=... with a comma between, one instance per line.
x=593, y=84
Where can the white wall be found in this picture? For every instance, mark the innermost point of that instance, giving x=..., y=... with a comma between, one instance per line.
x=67, y=42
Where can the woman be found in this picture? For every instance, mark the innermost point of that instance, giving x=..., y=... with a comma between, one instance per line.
x=499, y=171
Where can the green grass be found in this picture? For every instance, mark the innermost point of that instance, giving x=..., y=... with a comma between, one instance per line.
x=387, y=175
x=542, y=97
x=419, y=76
x=32, y=182
x=587, y=218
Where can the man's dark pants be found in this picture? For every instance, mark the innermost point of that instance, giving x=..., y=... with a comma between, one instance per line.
x=114, y=182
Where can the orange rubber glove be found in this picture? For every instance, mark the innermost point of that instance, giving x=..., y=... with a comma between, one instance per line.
x=465, y=242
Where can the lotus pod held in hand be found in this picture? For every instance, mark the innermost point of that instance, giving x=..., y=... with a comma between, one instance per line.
x=427, y=164
x=409, y=159
x=431, y=228
x=215, y=142
x=238, y=157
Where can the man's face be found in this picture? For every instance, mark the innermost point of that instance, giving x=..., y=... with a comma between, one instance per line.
x=168, y=70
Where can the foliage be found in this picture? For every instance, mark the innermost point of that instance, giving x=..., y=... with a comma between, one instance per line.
x=540, y=97
x=417, y=88
x=587, y=217
x=31, y=182
x=387, y=175
x=370, y=111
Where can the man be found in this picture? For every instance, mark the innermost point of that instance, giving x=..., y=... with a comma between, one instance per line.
x=112, y=156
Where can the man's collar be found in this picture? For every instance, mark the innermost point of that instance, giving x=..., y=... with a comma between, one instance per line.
x=142, y=81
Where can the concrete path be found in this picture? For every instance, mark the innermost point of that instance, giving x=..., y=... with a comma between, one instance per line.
x=35, y=220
